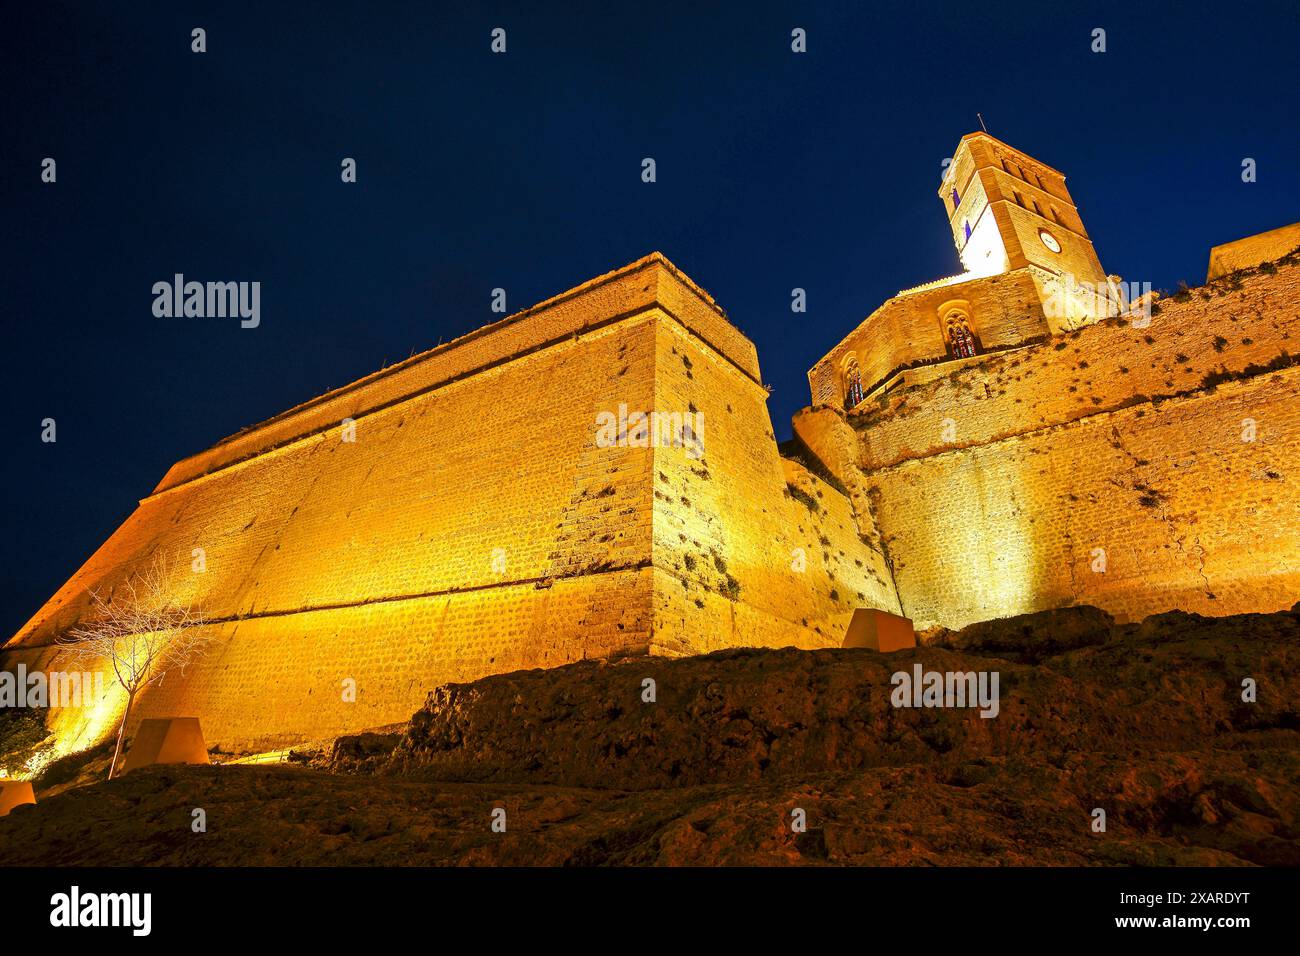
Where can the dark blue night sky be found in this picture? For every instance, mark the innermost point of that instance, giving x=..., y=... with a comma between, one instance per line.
x=775, y=170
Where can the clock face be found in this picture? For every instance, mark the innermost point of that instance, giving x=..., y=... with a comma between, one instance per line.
x=1049, y=240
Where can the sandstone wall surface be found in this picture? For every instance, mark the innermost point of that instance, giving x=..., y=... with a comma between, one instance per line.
x=1139, y=469
x=481, y=522
x=1137, y=511
x=473, y=528
x=1004, y=310
x=1251, y=251
x=750, y=549
x=1215, y=332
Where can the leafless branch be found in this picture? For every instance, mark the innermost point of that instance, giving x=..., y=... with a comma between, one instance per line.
x=140, y=628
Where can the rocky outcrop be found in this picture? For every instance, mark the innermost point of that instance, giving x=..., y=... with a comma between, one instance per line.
x=1171, y=683
x=1145, y=722
x=1032, y=637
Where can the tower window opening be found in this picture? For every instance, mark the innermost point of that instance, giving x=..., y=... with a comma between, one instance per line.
x=852, y=383
x=1057, y=215
x=956, y=199
x=1037, y=208
x=967, y=225
x=1020, y=201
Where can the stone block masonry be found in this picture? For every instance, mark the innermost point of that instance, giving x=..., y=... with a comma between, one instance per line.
x=1252, y=251
x=751, y=549
x=1145, y=509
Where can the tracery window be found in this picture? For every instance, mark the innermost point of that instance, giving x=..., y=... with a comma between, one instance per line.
x=961, y=340
x=852, y=382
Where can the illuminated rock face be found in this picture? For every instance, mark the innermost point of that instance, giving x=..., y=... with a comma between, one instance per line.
x=481, y=522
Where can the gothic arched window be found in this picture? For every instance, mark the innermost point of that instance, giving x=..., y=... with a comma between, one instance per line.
x=961, y=340
x=852, y=382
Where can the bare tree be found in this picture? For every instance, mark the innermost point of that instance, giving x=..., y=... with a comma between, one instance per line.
x=143, y=630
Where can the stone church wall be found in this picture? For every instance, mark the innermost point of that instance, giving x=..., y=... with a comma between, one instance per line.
x=906, y=332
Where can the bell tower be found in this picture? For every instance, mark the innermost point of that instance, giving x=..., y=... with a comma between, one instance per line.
x=1008, y=211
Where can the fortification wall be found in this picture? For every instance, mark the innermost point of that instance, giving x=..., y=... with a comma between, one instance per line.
x=473, y=528
x=418, y=503
x=269, y=682
x=1189, y=515
x=481, y=523
x=1253, y=250
x=623, y=292
x=739, y=558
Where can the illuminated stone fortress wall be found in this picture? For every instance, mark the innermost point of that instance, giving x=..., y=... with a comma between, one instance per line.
x=1071, y=457
x=980, y=446
x=478, y=525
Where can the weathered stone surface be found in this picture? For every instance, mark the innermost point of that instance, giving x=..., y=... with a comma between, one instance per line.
x=433, y=549
x=1206, y=808
x=1252, y=251
x=1109, y=466
x=359, y=752
x=1031, y=637
x=1172, y=683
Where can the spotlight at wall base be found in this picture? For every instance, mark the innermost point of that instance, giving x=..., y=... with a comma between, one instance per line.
x=166, y=740
x=879, y=630
x=15, y=793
